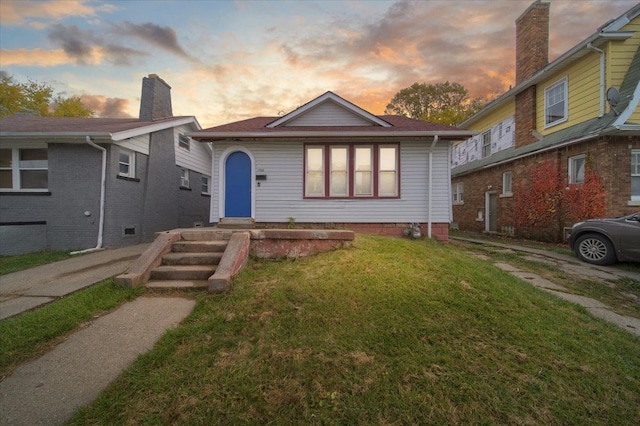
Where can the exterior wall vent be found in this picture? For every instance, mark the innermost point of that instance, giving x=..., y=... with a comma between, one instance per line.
x=129, y=231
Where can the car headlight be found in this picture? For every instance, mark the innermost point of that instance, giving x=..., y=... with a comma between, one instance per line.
x=576, y=224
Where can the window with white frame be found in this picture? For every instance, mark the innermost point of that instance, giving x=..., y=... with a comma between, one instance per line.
x=635, y=174
x=352, y=171
x=486, y=144
x=577, y=166
x=24, y=169
x=205, y=184
x=126, y=163
x=184, y=178
x=184, y=142
x=457, y=189
x=506, y=183
x=555, y=103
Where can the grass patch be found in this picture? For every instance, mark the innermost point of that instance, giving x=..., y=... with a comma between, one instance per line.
x=32, y=333
x=19, y=262
x=389, y=332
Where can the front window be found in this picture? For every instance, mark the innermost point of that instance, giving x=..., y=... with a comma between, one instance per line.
x=486, y=144
x=635, y=175
x=315, y=172
x=205, y=184
x=364, y=171
x=506, y=183
x=457, y=189
x=339, y=172
x=351, y=171
x=127, y=163
x=555, y=103
x=24, y=169
x=577, y=166
x=388, y=182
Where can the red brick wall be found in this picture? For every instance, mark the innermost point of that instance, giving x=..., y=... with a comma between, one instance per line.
x=532, y=40
x=439, y=231
x=610, y=157
x=525, y=117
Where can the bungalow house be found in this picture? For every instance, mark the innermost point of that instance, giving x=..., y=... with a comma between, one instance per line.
x=579, y=111
x=77, y=183
x=332, y=164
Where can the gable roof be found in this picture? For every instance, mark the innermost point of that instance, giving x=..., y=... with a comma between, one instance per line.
x=328, y=97
x=398, y=126
x=362, y=124
x=608, y=31
x=112, y=129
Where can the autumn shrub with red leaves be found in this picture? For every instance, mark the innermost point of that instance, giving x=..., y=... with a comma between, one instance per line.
x=545, y=203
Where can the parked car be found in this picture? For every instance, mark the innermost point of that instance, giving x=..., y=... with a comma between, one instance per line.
x=606, y=241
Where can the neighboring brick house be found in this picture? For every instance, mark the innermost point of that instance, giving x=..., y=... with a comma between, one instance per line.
x=77, y=183
x=557, y=112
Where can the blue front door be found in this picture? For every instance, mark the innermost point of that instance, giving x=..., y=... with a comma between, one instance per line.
x=237, y=188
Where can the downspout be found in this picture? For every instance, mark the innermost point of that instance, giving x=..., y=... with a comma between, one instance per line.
x=602, y=76
x=103, y=182
x=433, y=145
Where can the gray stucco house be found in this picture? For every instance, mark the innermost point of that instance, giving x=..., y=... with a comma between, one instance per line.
x=81, y=183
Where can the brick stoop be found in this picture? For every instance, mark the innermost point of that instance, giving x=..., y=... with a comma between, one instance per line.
x=208, y=258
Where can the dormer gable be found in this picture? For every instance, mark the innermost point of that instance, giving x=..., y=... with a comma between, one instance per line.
x=329, y=110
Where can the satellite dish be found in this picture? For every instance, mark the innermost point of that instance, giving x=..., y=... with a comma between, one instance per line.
x=613, y=97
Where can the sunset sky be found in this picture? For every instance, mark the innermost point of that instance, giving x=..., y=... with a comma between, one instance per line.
x=230, y=60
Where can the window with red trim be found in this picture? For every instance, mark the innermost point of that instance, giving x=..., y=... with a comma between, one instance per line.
x=351, y=171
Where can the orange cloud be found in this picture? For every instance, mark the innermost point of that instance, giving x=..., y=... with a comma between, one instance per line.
x=29, y=12
x=45, y=58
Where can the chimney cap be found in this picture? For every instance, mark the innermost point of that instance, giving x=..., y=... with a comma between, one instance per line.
x=157, y=77
x=535, y=4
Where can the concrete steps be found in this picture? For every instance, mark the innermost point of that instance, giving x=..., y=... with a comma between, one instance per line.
x=161, y=285
x=187, y=266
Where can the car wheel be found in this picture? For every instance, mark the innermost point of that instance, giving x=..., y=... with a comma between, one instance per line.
x=596, y=249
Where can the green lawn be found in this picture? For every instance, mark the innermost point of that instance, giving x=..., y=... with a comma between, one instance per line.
x=19, y=262
x=389, y=332
x=32, y=333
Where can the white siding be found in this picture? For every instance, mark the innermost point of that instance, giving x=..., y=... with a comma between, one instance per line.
x=138, y=144
x=281, y=195
x=328, y=114
x=197, y=158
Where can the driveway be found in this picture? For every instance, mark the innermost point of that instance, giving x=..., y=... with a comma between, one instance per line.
x=606, y=275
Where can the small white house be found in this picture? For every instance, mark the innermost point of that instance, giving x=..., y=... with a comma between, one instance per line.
x=332, y=164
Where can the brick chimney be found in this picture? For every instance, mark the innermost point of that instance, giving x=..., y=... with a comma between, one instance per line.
x=155, y=102
x=532, y=53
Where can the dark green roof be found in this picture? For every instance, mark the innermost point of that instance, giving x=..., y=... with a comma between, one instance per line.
x=579, y=132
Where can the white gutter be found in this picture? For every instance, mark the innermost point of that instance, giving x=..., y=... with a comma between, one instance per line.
x=631, y=107
x=590, y=46
x=433, y=145
x=103, y=182
x=206, y=136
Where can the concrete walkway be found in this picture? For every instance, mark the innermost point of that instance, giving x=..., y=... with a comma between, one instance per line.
x=28, y=289
x=50, y=389
x=572, y=266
